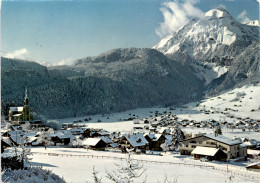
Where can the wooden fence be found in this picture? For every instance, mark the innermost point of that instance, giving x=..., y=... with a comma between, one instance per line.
x=230, y=169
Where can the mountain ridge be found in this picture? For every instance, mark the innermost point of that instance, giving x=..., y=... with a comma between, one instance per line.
x=129, y=78
x=209, y=44
x=215, y=53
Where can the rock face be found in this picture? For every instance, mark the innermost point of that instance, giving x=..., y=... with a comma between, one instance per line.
x=118, y=80
x=209, y=44
x=244, y=70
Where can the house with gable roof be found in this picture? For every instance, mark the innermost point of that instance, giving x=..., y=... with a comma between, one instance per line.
x=210, y=153
x=254, y=167
x=133, y=141
x=232, y=148
x=94, y=143
x=155, y=141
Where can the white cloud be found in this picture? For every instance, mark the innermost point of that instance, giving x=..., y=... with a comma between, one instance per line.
x=66, y=61
x=176, y=15
x=17, y=53
x=242, y=17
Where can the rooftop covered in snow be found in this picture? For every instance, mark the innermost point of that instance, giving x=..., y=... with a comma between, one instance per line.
x=207, y=151
x=16, y=109
x=136, y=140
x=223, y=139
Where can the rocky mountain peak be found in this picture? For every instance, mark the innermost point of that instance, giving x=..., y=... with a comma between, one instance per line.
x=218, y=13
x=204, y=38
x=210, y=43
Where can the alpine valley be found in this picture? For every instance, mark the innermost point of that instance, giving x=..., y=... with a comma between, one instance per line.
x=206, y=57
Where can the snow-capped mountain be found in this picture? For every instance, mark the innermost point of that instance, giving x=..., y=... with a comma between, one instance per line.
x=253, y=23
x=210, y=43
x=214, y=52
x=117, y=80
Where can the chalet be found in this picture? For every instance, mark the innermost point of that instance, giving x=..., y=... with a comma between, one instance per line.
x=155, y=141
x=154, y=124
x=76, y=131
x=15, y=114
x=113, y=146
x=106, y=139
x=115, y=136
x=165, y=131
x=94, y=143
x=59, y=138
x=65, y=126
x=136, y=141
x=232, y=148
x=209, y=153
x=16, y=137
x=254, y=167
x=251, y=144
x=253, y=153
x=101, y=133
x=4, y=133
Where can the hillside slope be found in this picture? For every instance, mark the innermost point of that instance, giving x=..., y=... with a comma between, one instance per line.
x=118, y=80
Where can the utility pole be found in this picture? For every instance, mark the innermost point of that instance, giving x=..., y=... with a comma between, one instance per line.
x=227, y=165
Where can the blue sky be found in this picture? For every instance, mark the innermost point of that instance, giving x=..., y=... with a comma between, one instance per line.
x=58, y=32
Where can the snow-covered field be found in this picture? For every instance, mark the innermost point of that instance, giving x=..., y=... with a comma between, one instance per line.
x=76, y=165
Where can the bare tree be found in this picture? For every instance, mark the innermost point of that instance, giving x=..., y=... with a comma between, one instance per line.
x=166, y=180
x=25, y=151
x=96, y=179
x=127, y=173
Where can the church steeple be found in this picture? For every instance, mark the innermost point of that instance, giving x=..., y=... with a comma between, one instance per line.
x=26, y=99
x=26, y=108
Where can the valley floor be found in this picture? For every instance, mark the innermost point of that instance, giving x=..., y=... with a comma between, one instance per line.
x=240, y=102
x=76, y=165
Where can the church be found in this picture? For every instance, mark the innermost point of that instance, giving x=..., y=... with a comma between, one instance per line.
x=21, y=113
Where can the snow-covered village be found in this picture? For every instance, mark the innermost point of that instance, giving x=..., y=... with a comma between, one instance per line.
x=174, y=96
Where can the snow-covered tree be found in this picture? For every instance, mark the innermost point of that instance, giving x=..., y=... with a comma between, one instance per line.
x=54, y=124
x=77, y=142
x=44, y=138
x=165, y=146
x=176, y=137
x=31, y=174
x=128, y=172
x=27, y=126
